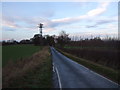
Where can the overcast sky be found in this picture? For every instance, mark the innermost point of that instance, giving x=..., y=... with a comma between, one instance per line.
x=20, y=19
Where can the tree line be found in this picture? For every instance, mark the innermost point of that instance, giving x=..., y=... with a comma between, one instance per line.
x=53, y=40
x=63, y=40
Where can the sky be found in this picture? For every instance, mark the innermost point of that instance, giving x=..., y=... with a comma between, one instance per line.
x=20, y=19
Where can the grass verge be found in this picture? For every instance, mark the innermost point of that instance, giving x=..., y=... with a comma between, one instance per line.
x=32, y=72
x=105, y=71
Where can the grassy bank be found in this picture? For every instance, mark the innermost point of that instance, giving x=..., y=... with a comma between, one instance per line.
x=32, y=72
x=108, y=58
x=14, y=52
x=92, y=48
x=105, y=71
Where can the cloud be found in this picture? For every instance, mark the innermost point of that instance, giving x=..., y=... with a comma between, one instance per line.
x=68, y=20
x=31, y=23
x=9, y=22
x=90, y=35
x=8, y=29
x=102, y=7
x=110, y=30
x=103, y=21
x=91, y=26
x=99, y=10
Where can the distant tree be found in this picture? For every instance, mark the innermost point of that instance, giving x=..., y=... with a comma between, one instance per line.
x=63, y=38
x=10, y=42
x=36, y=39
x=50, y=40
x=15, y=42
x=25, y=41
x=44, y=41
x=4, y=42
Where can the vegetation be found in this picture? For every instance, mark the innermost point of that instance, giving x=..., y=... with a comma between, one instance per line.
x=101, y=51
x=62, y=39
x=100, y=55
x=23, y=68
x=32, y=72
x=106, y=57
x=104, y=52
x=37, y=40
x=103, y=70
x=14, y=52
x=0, y=56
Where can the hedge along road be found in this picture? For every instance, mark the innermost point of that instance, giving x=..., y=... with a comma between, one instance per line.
x=73, y=75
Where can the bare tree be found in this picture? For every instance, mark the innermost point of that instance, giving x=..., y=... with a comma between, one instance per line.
x=63, y=38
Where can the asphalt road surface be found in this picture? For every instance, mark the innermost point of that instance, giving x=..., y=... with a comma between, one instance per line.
x=69, y=74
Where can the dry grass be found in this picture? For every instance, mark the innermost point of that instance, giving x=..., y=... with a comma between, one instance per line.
x=13, y=71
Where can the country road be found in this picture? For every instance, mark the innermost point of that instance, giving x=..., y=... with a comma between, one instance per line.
x=70, y=74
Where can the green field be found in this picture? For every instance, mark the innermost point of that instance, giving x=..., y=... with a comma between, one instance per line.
x=34, y=71
x=14, y=52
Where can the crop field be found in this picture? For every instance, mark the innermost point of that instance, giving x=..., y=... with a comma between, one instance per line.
x=34, y=71
x=15, y=52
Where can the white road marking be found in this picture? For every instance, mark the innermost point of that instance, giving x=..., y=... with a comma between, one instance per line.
x=58, y=79
x=53, y=68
